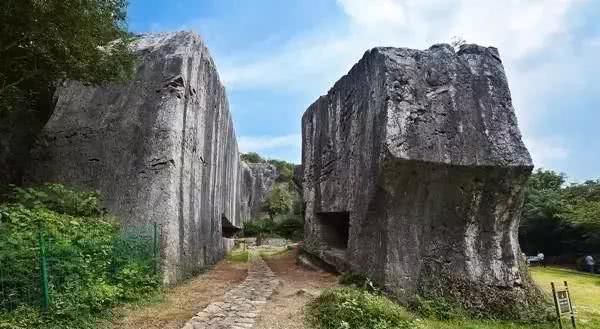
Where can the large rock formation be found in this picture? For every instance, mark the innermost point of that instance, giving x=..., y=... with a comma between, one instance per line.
x=257, y=181
x=160, y=148
x=414, y=173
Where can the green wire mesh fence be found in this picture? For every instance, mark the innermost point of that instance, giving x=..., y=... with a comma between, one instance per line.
x=52, y=269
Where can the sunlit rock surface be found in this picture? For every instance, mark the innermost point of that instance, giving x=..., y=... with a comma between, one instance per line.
x=160, y=148
x=414, y=173
x=258, y=180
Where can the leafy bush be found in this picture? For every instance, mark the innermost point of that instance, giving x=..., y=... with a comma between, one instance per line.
x=356, y=309
x=289, y=228
x=279, y=201
x=257, y=227
x=88, y=270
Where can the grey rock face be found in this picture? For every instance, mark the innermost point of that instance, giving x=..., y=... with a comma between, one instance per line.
x=257, y=181
x=414, y=173
x=160, y=148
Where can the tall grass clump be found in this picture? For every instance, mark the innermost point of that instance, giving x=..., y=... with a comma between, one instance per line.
x=356, y=309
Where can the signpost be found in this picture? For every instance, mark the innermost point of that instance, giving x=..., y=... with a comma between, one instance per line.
x=563, y=304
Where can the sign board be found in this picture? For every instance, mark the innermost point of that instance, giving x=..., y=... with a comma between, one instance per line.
x=563, y=304
x=563, y=301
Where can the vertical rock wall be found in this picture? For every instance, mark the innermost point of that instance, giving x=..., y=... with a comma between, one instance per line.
x=257, y=181
x=414, y=173
x=160, y=148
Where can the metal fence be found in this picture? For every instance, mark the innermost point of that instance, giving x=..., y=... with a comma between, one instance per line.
x=49, y=265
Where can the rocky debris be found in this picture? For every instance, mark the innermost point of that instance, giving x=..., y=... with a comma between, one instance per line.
x=414, y=173
x=257, y=181
x=160, y=148
x=242, y=304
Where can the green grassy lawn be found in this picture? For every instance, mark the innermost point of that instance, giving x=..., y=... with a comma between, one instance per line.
x=238, y=255
x=585, y=291
x=584, y=288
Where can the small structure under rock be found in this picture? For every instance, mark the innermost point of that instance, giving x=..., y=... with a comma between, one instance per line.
x=414, y=172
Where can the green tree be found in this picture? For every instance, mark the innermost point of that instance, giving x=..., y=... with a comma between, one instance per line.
x=558, y=218
x=252, y=157
x=285, y=169
x=279, y=201
x=44, y=42
x=541, y=223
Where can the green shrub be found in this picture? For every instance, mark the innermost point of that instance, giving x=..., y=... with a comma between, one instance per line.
x=289, y=228
x=92, y=265
x=356, y=309
x=257, y=227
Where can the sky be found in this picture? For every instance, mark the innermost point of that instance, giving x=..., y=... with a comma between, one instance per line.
x=276, y=57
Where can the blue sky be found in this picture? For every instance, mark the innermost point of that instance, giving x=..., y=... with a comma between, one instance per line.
x=276, y=57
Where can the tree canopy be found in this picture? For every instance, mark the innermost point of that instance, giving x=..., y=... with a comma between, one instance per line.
x=279, y=201
x=47, y=41
x=560, y=219
x=44, y=42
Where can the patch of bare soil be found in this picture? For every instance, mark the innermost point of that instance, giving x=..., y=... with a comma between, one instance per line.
x=182, y=302
x=285, y=309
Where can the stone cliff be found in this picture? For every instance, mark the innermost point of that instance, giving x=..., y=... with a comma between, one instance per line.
x=160, y=148
x=414, y=172
x=257, y=181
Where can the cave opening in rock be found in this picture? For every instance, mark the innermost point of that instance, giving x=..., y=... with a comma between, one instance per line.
x=335, y=228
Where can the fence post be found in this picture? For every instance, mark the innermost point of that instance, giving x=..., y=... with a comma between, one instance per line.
x=44, y=273
x=155, y=248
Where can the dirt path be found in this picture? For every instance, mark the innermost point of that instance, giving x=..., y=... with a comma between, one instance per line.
x=184, y=301
x=243, y=303
x=285, y=309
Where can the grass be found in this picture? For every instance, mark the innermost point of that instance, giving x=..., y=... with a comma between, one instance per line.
x=584, y=288
x=270, y=251
x=238, y=256
x=585, y=291
x=349, y=308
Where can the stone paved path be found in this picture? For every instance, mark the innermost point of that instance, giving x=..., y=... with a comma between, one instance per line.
x=241, y=304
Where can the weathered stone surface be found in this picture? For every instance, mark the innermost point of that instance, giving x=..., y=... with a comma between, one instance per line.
x=160, y=148
x=257, y=181
x=414, y=173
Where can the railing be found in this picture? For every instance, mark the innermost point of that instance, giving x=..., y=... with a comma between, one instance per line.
x=50, y=269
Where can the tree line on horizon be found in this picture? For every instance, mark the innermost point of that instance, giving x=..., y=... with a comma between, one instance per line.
x=560, y=218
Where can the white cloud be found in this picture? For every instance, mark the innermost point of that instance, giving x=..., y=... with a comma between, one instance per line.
x=518, y=28
x=262, y=143
x=534, y=38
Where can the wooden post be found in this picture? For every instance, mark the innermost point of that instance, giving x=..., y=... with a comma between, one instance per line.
x=571, y=306
x=556, y=305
